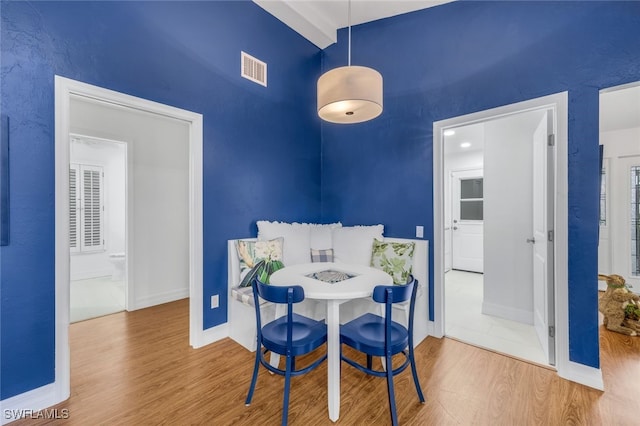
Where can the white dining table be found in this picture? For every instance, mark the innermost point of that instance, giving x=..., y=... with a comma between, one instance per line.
x=359, y=286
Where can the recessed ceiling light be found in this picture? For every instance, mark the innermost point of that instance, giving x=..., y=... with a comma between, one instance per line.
x=465, y=144
x=449, y=132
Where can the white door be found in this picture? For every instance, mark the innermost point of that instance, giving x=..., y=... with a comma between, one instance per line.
x=542, y=237
x=467, y=220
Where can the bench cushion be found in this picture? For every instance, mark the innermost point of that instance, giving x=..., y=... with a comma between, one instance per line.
x=245, y=295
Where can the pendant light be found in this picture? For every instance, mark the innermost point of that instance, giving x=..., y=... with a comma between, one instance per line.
x=350, y=94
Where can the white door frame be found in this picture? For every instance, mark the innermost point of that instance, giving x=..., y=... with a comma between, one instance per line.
x=64, y=89
x=558, y=103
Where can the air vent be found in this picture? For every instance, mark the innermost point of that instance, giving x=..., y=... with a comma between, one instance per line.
x=254, y=69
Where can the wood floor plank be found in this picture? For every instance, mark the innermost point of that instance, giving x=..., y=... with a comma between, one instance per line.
x=137, y=368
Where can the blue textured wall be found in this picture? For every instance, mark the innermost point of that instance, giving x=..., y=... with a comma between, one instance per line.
x=261, y=145
x=262, y=153
x=464, y=57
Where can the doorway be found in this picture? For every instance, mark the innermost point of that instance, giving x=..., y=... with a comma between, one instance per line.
x=466, y=224
x=65, y=90
x=492, y=223
x=97, y=220
x=619, y=239
x=505, y=281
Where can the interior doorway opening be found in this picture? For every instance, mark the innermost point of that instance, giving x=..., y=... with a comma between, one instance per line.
x=523, y=172
x=619, y=233
x=65, y=91
x=97, y=226
x=493, y=298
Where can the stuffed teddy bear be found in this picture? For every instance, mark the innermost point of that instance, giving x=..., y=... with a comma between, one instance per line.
x=613, y=302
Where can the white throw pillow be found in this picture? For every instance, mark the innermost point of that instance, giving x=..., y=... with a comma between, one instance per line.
x=320, y=238
x=296, y=246
x=353, y=244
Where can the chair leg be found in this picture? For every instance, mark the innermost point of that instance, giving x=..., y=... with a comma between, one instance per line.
x=392, y=399
x=414, y=371
x=287, y=385
x=254, y=379
x=369, y=362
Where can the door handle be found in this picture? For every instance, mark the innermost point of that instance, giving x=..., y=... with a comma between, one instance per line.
x=531, y=240
x=455, y=227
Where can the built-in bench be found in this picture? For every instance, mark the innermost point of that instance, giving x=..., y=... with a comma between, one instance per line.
x=241, y=317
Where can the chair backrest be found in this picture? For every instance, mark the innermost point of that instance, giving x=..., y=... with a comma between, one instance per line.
x=276, y=294
x=279, y=294
x=399, y=293
x=390, y=294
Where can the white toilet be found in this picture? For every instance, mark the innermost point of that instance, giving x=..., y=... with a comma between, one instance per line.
x=118, y=261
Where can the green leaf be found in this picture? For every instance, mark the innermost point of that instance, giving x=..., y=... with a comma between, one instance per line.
x=255, y=271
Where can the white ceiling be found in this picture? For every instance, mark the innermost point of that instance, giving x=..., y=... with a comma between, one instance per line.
x=472, y=134
x=319, y=20
x=620, y=109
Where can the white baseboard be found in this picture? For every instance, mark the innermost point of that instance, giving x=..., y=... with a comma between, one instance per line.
x=29, y=403
x=159, y=299
x=431, y=329
x=211, y=335
x=507, y=312
x=583, y=374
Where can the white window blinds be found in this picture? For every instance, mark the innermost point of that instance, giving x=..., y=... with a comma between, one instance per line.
x=86, y=210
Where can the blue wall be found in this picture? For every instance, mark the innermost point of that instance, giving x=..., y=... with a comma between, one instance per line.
x=464, y=57
x=261, y=145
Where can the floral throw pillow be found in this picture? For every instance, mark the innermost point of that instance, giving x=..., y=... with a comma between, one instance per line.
x=259, y=259
x=396, y=259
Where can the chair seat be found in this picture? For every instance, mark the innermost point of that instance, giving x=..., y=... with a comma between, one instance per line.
x=367, y=332
x=307, y=335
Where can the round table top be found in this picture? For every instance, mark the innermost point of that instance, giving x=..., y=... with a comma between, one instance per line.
x=361, y=285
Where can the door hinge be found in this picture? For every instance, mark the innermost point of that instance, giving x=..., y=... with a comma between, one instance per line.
x=552, y=331
x=551, y=140
x=550, y=235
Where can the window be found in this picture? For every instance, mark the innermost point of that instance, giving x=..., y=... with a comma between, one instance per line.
x=603, y=196
x=471, y=199
x=635, y=221
x=86, y=210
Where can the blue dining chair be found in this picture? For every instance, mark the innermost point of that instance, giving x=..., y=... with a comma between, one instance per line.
x=383, y=337
x=291, y=335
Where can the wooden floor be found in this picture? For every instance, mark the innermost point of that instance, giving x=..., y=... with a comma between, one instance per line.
x=137, y=368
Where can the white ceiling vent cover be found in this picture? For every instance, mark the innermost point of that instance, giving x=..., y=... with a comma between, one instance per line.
x=253, y=69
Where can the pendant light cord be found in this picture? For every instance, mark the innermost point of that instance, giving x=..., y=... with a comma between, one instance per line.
x=349, y=32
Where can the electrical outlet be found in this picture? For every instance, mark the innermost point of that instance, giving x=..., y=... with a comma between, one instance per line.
x=215, y=301
x=419, y=231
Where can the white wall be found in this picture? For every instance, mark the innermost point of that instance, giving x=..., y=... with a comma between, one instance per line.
x=111, y=156
x=158, y=191
x=619, y=147
x=508, y=219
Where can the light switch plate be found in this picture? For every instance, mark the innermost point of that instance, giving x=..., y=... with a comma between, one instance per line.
x=419, y=231
x=215, y=301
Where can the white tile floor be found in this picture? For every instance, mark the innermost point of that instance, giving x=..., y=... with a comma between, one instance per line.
x=96, y=297
x=465, y=321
